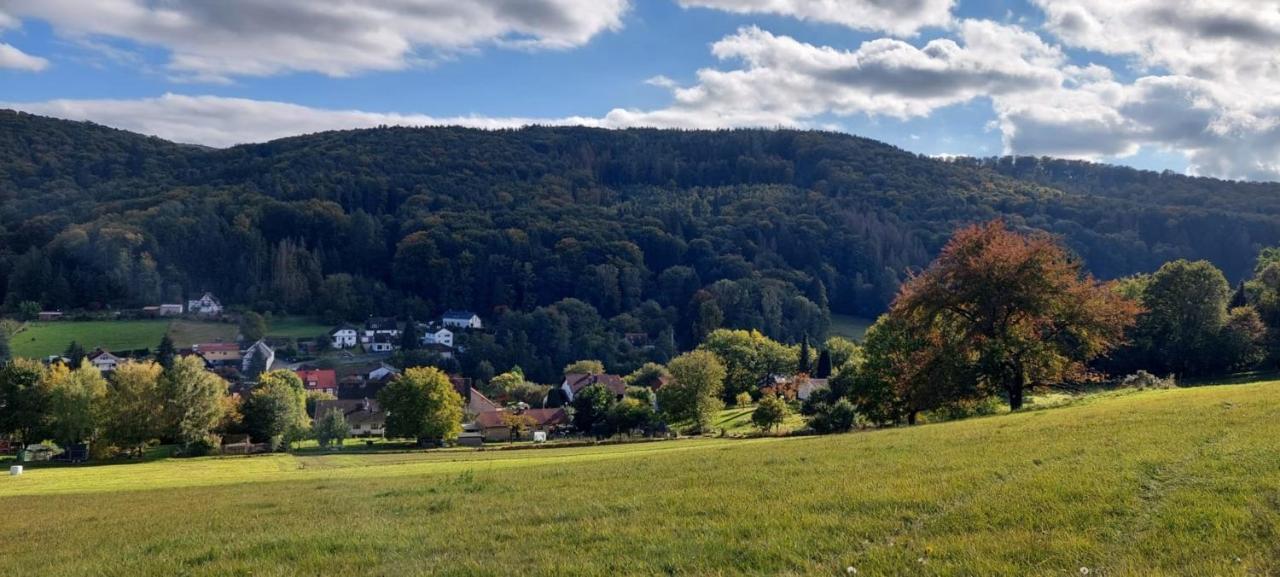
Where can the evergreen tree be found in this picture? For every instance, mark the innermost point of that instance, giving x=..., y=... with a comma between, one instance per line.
x=166, y=352
x=409, y=339
x=806, y=360
x=74, y=354
x=4, y=347
x=823, y=370
x=1239, y=299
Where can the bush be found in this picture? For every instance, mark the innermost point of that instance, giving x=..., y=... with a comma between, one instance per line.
x=770, y=413
x=1143, y=380
x=742, y=399
x=966, y=408
x=838, y=417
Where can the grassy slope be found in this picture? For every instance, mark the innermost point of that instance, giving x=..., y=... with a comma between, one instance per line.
x=849, y=326
x=296, y=328
x=44, y=339
x=186, y=332
x=1182, y=482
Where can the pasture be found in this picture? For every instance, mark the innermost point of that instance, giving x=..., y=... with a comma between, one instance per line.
x=39, y=339
x=849, y=326
x=1154, y=483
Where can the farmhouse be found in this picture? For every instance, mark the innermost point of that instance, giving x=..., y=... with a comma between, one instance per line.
x=433, y=334
x=344, y=337
x=319, y=380
x=258, y=349
x=462, y=320
x=104, y=361
x=365, y=417
x=218, y=354
x=163, y=310
x=381, y=343
x=375, y=327
x=575, y=382
x=49, y=315
x=207, y=306
x=496, y=425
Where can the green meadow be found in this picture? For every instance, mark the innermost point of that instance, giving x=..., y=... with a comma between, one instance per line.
x=1154, y=483
x=39, y=340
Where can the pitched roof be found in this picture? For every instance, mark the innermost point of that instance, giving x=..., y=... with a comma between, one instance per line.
x=216, y=347
x=356, y=411
x=321, y=379
x=478, y=403
x=611, y=383
x=338, y=328
x=541, y=417
x=381, y=324
x=461, y=315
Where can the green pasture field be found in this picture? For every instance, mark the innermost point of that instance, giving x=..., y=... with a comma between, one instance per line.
x=38, y=340
x=849, y=326
x=296, y=327
x=1154, y=483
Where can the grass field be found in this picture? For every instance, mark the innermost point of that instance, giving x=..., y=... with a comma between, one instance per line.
x=1172, y=482
x=44, y=339
x=187, y=332
x=296, y=327
x=849, y=326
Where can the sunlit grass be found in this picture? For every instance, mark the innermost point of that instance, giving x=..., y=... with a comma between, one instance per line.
x=1172, y=482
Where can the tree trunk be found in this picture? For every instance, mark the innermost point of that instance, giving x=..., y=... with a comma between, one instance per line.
x=1015, y=395
x=911, y=417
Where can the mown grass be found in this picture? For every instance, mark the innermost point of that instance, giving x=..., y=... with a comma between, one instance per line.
x=39, y=340
x=1171, y=482
x=294, y=327
x=188, y=332
x=849, y=326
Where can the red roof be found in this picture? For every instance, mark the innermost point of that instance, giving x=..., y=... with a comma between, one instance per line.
x=611, y=383
x=319, y=379
x=541, y=417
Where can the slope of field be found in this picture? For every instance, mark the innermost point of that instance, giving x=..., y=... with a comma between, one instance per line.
x=1181, y=482
x=39, y=340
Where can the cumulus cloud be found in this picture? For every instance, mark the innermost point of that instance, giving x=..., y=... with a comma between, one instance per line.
x=11, y=57
x=214, y=41
x=220, y=121
x=897, y=17
x=784, y=82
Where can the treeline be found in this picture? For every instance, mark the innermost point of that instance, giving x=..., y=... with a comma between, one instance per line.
x=668, y=233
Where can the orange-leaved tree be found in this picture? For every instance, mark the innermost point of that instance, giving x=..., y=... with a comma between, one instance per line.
x=1013, y=312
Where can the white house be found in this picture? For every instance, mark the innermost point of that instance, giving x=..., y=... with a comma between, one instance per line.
x=206, y=305
x=344, y=337
x=437, y=335
x=380, y=372
x=254, y=351
x=380, y=344
x=380, y=327
x=104, y=361
x=462, y=320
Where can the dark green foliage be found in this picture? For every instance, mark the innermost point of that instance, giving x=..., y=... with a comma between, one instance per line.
x=409, y=339
x=75, y=354
x=590, y=407
x=24, y=399
x=837, y=417
x=4, y=346
x=165, y=353
x=252, y=327
x=823, y=370
x=806, y=358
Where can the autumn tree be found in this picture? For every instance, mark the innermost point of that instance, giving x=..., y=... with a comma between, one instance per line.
x=24, y=399
x=195, y=402
x=134, y=412
x=1011, y=311
x=76, y=399
x=276, y=410
x=591, y=367
x=422, y=404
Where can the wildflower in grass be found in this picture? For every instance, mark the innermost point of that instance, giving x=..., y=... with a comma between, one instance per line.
x=851, y=570
x=1084, y=570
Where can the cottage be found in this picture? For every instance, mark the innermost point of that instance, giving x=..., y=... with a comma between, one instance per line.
x=49, y=316
x=437, y=335
x=473, y=402
x=381, y=343
x=344, y=337
x=807, y=387
x=255, y=351
x=163, y=310
x=365, y=417
x=104, y=361
x=207, y=306
x=574, y=382
x=319, y=380
x=218, y=354
x=357, y=381
x=496, y=425
x=462, y=320
x=376, y=327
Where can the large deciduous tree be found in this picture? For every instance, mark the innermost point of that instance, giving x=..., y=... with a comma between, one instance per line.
x=24, y=399
x=423, y=405
x=276, y=410
x=1005, y=312
x=697, y=379
x=134, y=412
x=195, y=401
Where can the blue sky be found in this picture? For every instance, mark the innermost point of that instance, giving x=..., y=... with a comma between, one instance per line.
x=1020, y=84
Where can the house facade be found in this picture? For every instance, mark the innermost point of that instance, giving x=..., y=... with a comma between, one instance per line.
x=462, y=320
x=574, y=382
x=495, y=425
x=207, y=305
x=218, y=353
x=437, y=335
x=375, y=327
x=380, y=343
x=365, y=416
x=258, y=349
x=344, y=337
x=319, y=380
x=104, y=361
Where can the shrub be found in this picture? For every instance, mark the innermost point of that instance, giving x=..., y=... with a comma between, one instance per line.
x=838, y=417
x=770, y=413
x=1142, y=380
x=742, y=399
x=966, y=408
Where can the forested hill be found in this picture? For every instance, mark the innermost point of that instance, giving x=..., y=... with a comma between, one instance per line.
x=679, y=230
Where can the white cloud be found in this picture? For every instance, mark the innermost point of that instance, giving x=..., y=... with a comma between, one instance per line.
x=11, y=57
x=219, y=121
x=214, y=41
x=897, y=17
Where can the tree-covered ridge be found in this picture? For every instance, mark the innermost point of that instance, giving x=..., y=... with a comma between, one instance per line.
x=666, y=233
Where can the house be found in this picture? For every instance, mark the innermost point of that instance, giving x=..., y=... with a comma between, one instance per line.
x=357, y=381
x=256, y=350
x=375, y=327
x=49, y=315
x=495, y=425
x=574, y=382
x=207, y=306
x=462, y=320
x=807, y=387
x=344, y=337
x=437, y=335
x=104, y=361
x=473, y=402
x=319, y=380
x=365, y=417
x=445, y=352
x=218, y=354
x=184, y=353
x=381, y=343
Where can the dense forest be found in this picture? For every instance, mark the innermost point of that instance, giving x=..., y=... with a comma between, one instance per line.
x=664, y=234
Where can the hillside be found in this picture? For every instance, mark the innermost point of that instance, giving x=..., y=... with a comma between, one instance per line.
x=665, y=233
x=1168, y=482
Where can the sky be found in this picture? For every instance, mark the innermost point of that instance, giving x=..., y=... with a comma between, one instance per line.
x=1191, y=86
